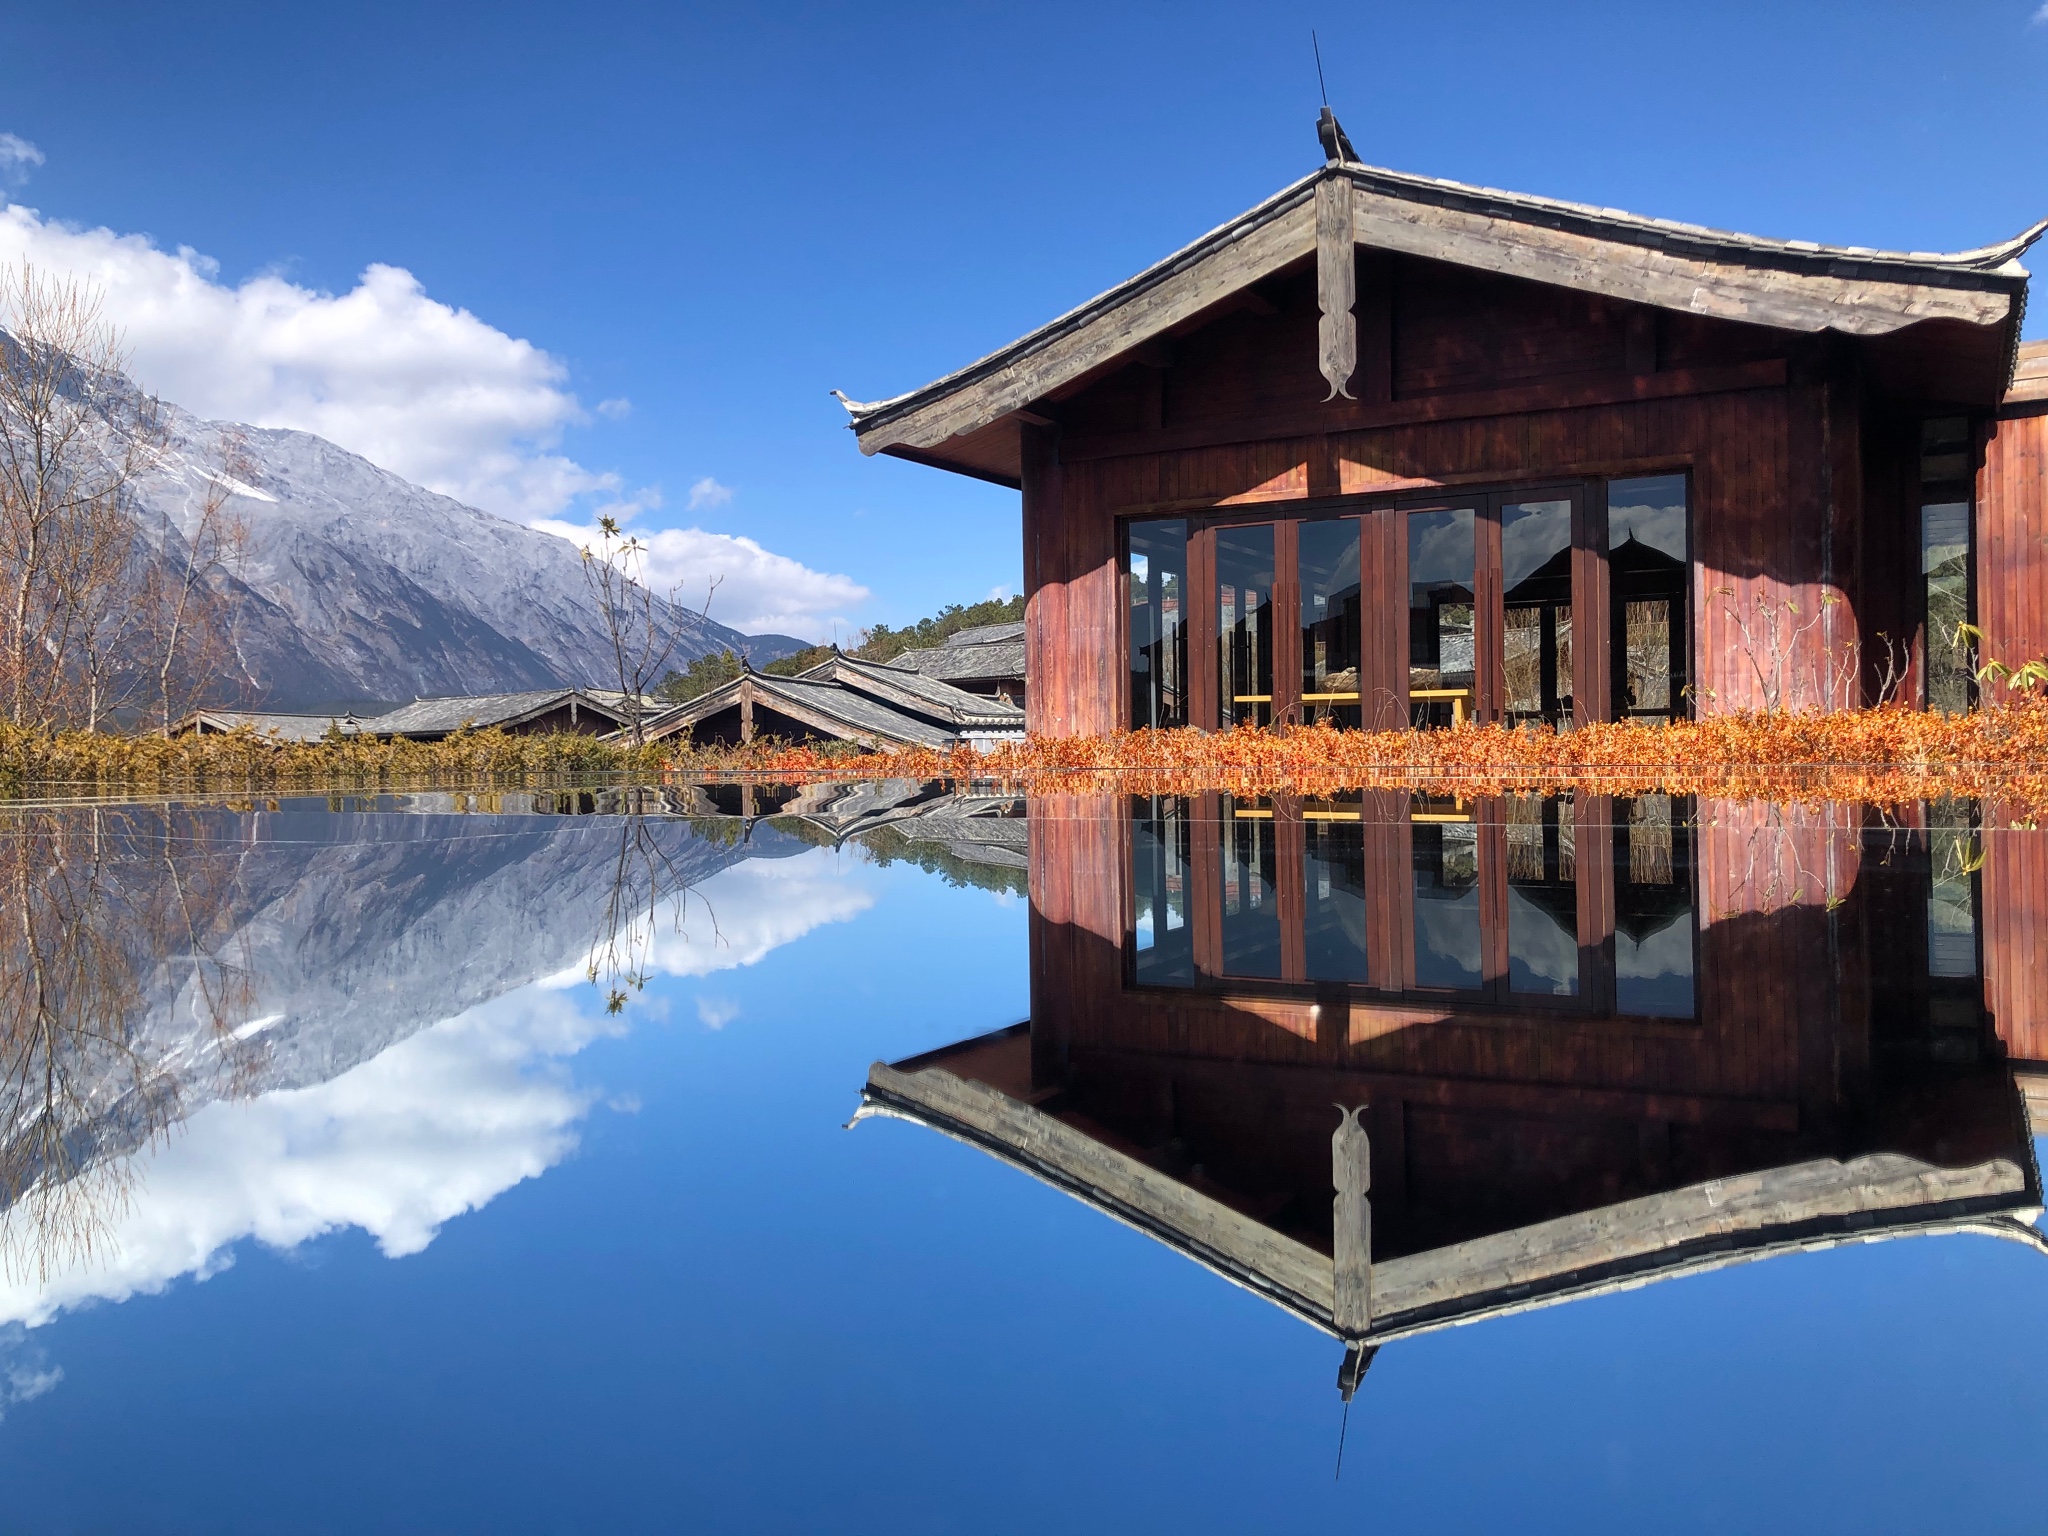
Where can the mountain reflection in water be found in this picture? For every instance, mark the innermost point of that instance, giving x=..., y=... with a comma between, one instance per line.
x=1588, y=1045
x=369, y=978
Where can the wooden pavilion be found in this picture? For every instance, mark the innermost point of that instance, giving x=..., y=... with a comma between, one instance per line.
x=1391, y=448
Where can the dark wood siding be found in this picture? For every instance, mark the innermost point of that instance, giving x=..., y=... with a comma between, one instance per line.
x=2013, y=888
x=2012, y=538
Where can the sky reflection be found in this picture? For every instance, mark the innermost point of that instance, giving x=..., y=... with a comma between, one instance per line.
x=535, y=1266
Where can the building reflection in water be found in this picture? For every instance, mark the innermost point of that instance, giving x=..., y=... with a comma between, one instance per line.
x=1591, y=1042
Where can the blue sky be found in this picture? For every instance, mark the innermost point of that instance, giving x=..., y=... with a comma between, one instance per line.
x=703, y=218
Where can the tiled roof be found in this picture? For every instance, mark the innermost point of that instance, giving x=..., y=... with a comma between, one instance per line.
x=858, y=710
x=916, y=690
x=999, y=660
x=281, y=726
x=988, y=634
x=439, y=717
x=852, y=715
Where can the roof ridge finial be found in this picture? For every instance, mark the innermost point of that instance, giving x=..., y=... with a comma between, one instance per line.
x=1336, y=147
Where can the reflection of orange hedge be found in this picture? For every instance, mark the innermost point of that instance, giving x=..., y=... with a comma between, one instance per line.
x=1882, y=755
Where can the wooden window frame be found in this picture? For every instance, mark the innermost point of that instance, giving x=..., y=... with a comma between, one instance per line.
x=1383, y=551
x=1388, y=821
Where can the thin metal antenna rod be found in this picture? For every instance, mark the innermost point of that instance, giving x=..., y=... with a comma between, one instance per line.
x=1320, y=82
x=1343, y=1426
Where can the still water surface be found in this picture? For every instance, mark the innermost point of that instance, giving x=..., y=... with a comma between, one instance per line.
x=420, y=1164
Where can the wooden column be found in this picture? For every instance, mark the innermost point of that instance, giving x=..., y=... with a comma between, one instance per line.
x=1488, y=615
x=1286, y=705
x=1199, y=617
x=1351, y=1174
x=1291, y=897
x=1593, y=627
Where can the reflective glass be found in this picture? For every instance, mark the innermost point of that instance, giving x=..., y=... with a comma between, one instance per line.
x=1331, y=621
x=1649, y=533
x=1251, y=888
x=1157, y=624
x=1334, y=888
x=1244, y=624
x=1536, y=611
x=1543, y=896
x=1441, y=653
x=1445, y=859
x=1160, y=845
x=1655, y=913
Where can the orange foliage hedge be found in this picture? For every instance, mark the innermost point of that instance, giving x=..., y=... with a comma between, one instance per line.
x=1880, y=755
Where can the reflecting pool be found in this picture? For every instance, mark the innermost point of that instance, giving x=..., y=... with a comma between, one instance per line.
x=885, y=1157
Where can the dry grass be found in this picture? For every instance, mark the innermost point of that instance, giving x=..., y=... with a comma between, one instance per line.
x=1883, y=756
x=1886, y=756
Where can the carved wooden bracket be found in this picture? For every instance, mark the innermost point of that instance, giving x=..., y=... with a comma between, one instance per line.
x=1351, y=1175
x=1336, y=285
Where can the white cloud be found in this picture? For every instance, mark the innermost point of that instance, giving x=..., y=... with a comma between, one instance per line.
x=23, y=1374
x=2041, y=17
x=439, y=1124
x=749, y=910
x=760, y=591
x=17, y=158
x=709, y=493
x=615, y=410
x=424, y=389
x=716, y=1012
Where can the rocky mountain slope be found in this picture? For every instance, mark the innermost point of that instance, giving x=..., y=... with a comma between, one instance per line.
x=356, y=584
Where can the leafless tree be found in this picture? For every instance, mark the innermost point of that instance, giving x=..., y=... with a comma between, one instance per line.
x=184, y=600
x=74, y=436
x=93, y=904
x=644, y=629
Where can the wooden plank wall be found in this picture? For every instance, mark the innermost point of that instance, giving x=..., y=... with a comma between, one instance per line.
x=2013, y=888
x=2012, y=537
x=1755, y=556
x=2012, y=610
x=1777, y=470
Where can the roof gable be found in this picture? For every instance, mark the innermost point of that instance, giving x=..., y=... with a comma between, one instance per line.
x=1794, y=286
x=915, y=691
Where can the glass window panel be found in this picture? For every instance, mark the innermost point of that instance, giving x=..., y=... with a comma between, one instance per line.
x=1655, y=915
x=1440, y=634
x=1244, y=624
x=1543, y=896
x=1331, y=621
x=1945, y=567
x=1250, y=895
x=1160, y=845
x=1333, y=877
x=1536, y=603
x=1158, y=633
x=1445, y=866
x=1952, y=899
x=1649, y=532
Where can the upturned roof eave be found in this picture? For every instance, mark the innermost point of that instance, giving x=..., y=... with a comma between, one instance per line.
x=877, y=413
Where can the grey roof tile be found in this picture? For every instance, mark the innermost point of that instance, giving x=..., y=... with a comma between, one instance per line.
x=480, y=711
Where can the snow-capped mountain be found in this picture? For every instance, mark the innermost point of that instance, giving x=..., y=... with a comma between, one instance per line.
x=357, y=584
